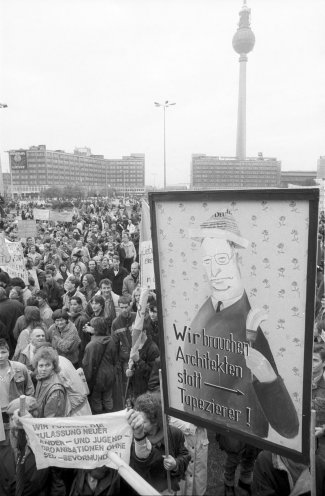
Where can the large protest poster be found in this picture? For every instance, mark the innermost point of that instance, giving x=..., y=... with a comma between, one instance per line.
x=79, y=442
x=15, y=267
x=235, y=275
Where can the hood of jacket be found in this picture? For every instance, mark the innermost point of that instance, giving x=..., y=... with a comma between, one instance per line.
x=101, y=339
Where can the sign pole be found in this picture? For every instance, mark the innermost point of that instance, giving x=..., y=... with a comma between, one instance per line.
x=164, y=418
x=2, y=430
x=313, y=452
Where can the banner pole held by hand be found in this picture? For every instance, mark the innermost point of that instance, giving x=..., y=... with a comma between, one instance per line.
x=22, y=405
x=164, y=419
x=313, y=452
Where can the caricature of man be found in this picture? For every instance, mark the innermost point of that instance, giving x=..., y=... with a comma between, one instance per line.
x=239, y=381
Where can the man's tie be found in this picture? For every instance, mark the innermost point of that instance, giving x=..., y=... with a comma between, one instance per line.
x=218, y=306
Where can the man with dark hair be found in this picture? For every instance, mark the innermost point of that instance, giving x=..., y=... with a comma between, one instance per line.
x=21, y=323
x=10, y=310
x=105, y=287
x=79, y=318
x=53, y=291
x=70, y=286
x=64, y=336
x=5, y=281
x=151, y=324
x=26, y=292
x=117, y=274
x=131, y=281
x=44, y=308
x=93, y=270
x=99, y=366
x=121, y=331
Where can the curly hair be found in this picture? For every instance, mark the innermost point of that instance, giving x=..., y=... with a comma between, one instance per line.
x=47, y=353
x=151, y=406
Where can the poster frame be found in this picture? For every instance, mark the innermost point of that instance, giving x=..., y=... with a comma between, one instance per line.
x=268, y=194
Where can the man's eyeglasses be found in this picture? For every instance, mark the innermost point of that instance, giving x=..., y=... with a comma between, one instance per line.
x=219, y=258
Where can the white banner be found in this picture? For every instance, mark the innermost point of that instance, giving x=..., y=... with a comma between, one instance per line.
x=61, y=216
x=79, y=442
x=41, y=214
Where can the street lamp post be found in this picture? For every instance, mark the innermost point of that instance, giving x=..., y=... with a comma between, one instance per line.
x=164, y=105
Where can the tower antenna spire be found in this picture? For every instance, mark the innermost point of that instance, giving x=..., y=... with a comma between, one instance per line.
x=243, y=42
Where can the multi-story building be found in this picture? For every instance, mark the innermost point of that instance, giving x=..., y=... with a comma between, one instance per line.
x=37, y=169
x=6, y=178
x=298, y=178
x=209, y=172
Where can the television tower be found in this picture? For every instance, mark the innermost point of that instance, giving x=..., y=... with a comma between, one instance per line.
x=243, y=42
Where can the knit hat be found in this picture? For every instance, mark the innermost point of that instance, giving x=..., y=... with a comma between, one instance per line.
x=221, y=225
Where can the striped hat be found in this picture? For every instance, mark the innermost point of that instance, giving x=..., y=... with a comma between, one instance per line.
x=221, y=225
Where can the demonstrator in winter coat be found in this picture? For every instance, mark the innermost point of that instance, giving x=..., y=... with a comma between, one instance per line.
x=99, y=364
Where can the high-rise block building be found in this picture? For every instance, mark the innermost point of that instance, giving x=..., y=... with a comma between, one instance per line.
x=208, y=172
x=36, y=169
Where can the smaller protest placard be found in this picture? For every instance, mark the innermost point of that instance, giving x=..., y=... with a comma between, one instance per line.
x=146, y=265
x=27, y=228
x=41, y=214
x=79, y=442
x=16, y=265
x=63, y=216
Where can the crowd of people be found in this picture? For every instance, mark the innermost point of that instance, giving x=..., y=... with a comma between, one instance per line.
x=66, y=343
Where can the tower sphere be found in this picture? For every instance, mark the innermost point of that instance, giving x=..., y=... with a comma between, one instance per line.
x=243, y=40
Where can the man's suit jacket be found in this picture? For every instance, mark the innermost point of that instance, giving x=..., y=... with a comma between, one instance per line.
x=260, y=404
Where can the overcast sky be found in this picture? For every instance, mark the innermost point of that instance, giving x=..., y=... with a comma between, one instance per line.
x=86, y=73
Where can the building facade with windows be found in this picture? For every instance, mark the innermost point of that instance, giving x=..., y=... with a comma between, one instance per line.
x=298, y=178
x=212, y=172
x=37, y=169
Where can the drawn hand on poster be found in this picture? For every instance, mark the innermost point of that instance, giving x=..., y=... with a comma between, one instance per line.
x=242, y=384
x=260, y=366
